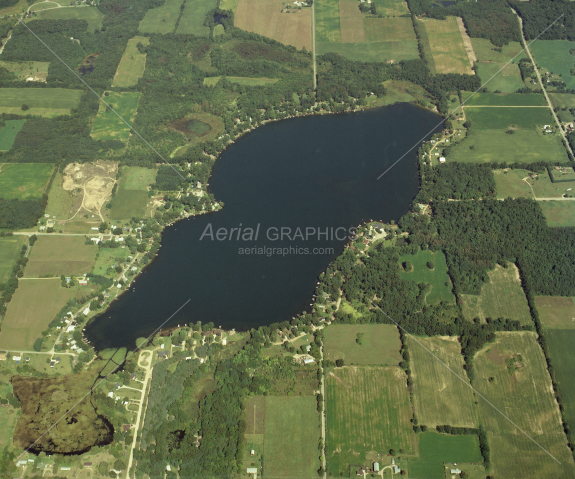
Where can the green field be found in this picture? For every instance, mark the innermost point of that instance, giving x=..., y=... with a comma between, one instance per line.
x=131, y=199
x=108, y=126
x=559, y=213
x=247, y=81
x=92, y=15
x=441, y=288
x=291, y=436
x=399, y=92
x=24, y=181
x=390, y=8
x=10, y=248
x=446, y=44
x=229, y=5
x=8, y=416
x=486, y=118
x=57, y=255
x=512, y=374
x=486, y=52
x=556, y=312
x=192, y=20
x=562, y=100
x=554, y=56
x=505, y=78
x=161, y=19
x=25, y=320
x=327, y=23
x=368, y=411
x=41, y=101
x=501, y=297
x=24, y=70
x=62, y=204
x=517, y=183
x=504, y=99
x=371, y=52
x=8, y=133
x=436, y=449
x=510, y=183
x=107, y=257
x=439, y=396
x=138, y=178
x=381, y=344
x=524, y=146
x=132, y=64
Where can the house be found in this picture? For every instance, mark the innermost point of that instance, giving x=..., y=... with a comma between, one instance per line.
x=116, y=386
x=57, y=359
x=83, y=282
x=16, y=358
x=65, y=468
x=111, y=394
x=23, y=462
x=52, y=364
x=455, y=471
x=28, y=360
x=126, y=427
x=163, y=355
x=252, y=470
x=133, y=376
x=442, y=159
x=376, y=467
x=396, y=469
x=87, y=464
x=87, y=310
x=308, y=360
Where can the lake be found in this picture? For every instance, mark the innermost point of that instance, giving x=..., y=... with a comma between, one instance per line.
x=315, y=177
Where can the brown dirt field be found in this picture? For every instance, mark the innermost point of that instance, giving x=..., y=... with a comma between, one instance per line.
x=351, y=22
x=265, y=18
x=255, y=415
x=466, y=42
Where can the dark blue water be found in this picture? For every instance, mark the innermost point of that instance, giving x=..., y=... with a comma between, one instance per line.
x=313, y=172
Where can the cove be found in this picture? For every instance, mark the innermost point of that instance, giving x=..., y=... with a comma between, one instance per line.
x=308, y=172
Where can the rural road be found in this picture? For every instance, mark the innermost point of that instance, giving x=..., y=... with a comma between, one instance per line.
x=323, y=412
x=541, y=84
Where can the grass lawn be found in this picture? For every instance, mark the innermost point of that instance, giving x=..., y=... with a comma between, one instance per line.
x=8, y=416
x=506, y=78
x=138, y=178
x=373, y=51
x=192, y=20
x=559, y=213
x=368, y=411
x=25, y=320
x=107, y=257
x=57, y=255
x=441, y=288
x=261, y=81
x=398, y=92
x=228, y=4
x=10, y=248
x=108, y=126
x=499, y=118
x=524, y=146
x=512, y=374
x=161, y=19
x=24, y=181
x=556, y=312
x=41, y=101
x=554, y=56
x=511, y=183
x=23, y=70
x=504, y=99
x=502, y=297
x=381, y=344
x=132, y=64
x=390, y=8
x=291, y=436
x=486, y=51
x=92, y=15
x=439, y=396
x=562, y=100
x=327, y=22
x=8, y=133
x=447, y=46
x=436, y=449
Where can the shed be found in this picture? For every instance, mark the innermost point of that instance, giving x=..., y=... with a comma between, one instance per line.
x=442, y=159
x=455, y=471
x=87, y=464
x=376, y=467
x=252, y=470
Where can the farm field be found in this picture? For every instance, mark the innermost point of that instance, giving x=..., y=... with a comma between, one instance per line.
x=512, y=374
x=504, y=99
x=447, y=46
x=247, y=81
x=131, y=199
x=23, y=70
x=439, y=396
x=368, y=410
x=389, y=29
x=8, y=133
x=554, y=56
x=10, y=248
x=24, y=181
x=161, y=19
x=556, y=312
x=499, y=118
x=62, y=204
x=511, y=183
x=559, y=213
x=291, y=436
x=441, y=288
x=25, y=320
x=524, y=146
x=92, y=15
x=192, y=19
x=327, y=21
x=562, y=100
x=381, y=344
x=265, y=18
x=229, y=5
x=372, y=51
x=436, y=449
x=351, y=22
x=501, y=297
x=486, y=51
x=57, y=255
x=137, y=177
x=132, y=64
x=42, y=101
x=390, y=8
x=107, y=125
x=504, y=78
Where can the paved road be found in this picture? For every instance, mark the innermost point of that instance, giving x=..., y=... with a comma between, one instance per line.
x=541, y=84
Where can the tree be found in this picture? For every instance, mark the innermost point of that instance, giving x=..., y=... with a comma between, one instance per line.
x=467, y=124
x=25, y=107
x=359, y=338
x=431, y=265
x=392, y=452
x=339, y=363
x=407, y=266
x=103, y=227
x=37, y=345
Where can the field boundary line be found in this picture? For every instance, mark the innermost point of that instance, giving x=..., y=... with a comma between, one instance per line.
x=128, y=356
x=103, y=101
x=466, y=383
x=471, y=96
